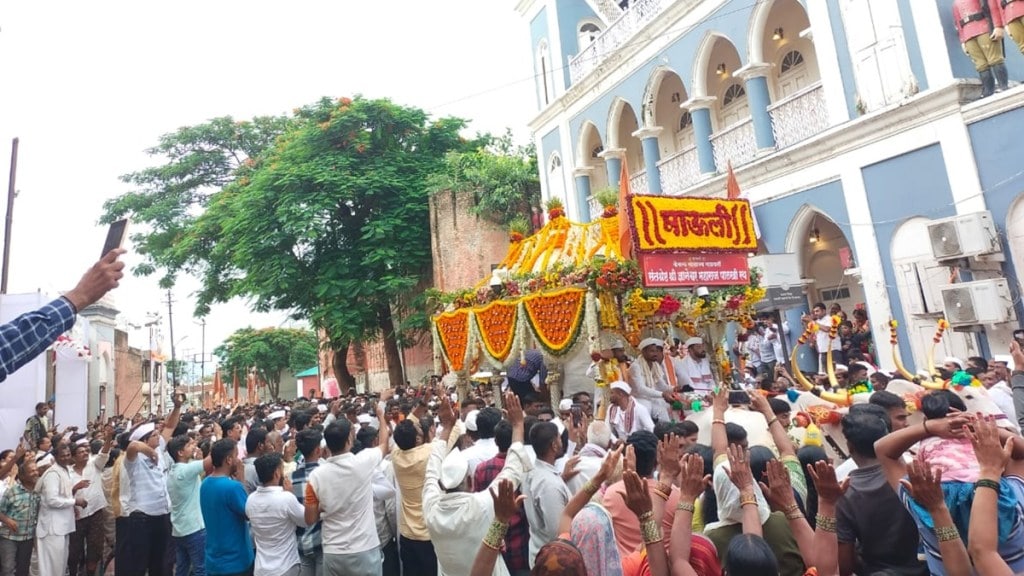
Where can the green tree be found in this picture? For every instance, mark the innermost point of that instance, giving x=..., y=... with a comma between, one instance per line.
x=198, y=162
x=502, y=177
x=270, y=351
x=330, y=223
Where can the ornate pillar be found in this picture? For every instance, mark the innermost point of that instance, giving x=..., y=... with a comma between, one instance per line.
x=700, y=111
x=462, y=386
x=652, y=155
x=755, y=77
x=613, y=161
x=583, y=192
x=496, y=381
x=554, y=384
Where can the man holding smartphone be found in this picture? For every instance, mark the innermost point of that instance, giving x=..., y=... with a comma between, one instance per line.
x=30, y=334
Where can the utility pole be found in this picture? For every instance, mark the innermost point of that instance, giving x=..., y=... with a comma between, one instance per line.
x=170, y=324
x=154, y=320
x=11, y=193
x=202, y=357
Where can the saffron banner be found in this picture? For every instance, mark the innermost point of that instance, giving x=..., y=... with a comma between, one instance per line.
x=688, y=224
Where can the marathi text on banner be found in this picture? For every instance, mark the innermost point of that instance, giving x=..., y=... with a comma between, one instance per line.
x=681, y=224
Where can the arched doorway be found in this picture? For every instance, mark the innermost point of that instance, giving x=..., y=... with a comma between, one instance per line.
x=623, y=123
x=731, y=106
x=827, y=265
x=665, y=94
x=777, y=32
x=589, y=157
x=919, y=279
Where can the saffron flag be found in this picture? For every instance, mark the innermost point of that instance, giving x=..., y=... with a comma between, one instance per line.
x=218, y=389
x=234, y=381
x=625, y=238
x=732, y=192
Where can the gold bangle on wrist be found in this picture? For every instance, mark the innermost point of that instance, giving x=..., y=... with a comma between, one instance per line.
x=495, y=535
x=590, y=488
x=646, y=516
x=946, y=533
x=651, y=532
x=825, y=523
x=773, y=421
x=686, y=506
x=748, y=501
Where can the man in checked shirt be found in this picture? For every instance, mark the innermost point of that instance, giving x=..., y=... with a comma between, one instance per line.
x=30, y=334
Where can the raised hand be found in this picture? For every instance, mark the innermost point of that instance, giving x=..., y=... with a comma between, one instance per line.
x=569, y=471
x=611, y=462
x=924, y=485
x=992, y=454
x=692, y=480
x=739, y=467
x=668, y=458
x=637, y=496
x=823, y=474
x=506, y=503
x=514, y=409
x=779, y=490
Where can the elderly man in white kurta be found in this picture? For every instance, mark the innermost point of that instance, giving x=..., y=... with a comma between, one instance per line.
x=457, y=518
x=57, y=513
x=648, y=379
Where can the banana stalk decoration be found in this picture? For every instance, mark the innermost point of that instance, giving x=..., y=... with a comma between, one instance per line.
x=893, y=339
x=936, y=383
x=839, y=396
x=794, y=367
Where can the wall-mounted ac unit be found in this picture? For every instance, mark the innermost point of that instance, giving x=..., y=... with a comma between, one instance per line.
x=963, y=236
x=978, y=302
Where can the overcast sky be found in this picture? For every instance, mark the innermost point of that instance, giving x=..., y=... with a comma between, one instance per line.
x=88, y=86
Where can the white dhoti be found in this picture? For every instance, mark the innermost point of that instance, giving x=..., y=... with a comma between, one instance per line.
x=52, y=552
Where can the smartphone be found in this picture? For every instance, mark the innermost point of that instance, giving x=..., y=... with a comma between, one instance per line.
x=577, y=414
x=116, y=234
x=1018, y=335
x=738, y=397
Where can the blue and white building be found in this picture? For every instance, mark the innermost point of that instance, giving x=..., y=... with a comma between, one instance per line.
x=854, y=127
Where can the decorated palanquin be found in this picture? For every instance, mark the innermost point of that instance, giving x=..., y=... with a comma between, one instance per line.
x=569, y=284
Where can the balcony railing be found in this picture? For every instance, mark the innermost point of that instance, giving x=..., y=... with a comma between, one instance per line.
x=800, y=116
x=638, y=183
x=679, y=171
x=595, y=208
x=736, y=144
x=618, y=33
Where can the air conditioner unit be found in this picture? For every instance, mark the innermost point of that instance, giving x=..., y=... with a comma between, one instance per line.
x=963, y=236
x=978, y=302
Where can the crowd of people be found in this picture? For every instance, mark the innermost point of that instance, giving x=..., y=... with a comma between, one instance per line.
x=613, y=481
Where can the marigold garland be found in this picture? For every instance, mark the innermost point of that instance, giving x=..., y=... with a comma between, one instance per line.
x=555, y=318
x=453, y=330
x=496, y=323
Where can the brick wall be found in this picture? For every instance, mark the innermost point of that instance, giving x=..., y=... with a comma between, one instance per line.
x=465, y=248
x=128, y=397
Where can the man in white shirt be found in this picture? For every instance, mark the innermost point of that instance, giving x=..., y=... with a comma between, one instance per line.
x=697, y=365
x=482, y=427
x=57, y=513
x=340, y=494
x=625, y=414
x=457, y=518
x=545, y=489
x=821, y=340
x=148, y=531
x=87, y=540
x=649, y=382
x=996, y=380
x=274, y=514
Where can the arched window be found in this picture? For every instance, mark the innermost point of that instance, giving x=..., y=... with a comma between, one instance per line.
x=588, y=33
x=685, y=121
x=791, y=60
x=733, y=93
x=556, y=182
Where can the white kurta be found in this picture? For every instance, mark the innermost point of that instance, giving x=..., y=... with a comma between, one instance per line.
x=648, y=386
